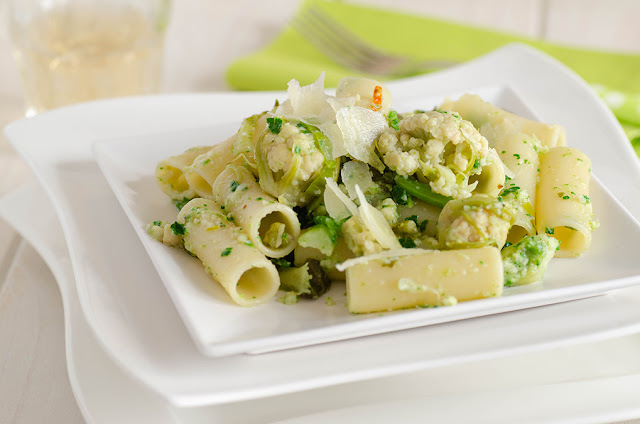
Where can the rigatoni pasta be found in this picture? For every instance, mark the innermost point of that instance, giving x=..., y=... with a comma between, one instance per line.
x=472, y=108
x=170, y=174
x=423, y=278
x=426, y=208
x=564, y=208
x=271, y=226
x=227, y=254
x=205, y=168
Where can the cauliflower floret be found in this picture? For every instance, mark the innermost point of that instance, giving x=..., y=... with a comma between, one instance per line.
x=282, y=149
x=389, y=210
x=526, y=261
x=359, y=239
x=407, y=227
x=437, y=146
x=288, y=159
x=475, y=222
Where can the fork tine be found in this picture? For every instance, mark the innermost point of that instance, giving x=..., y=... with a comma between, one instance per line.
x=327, y=41
x=346, y=48
x=343, y=33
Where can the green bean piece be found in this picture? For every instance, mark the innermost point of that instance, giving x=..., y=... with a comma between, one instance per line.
x=421, y=191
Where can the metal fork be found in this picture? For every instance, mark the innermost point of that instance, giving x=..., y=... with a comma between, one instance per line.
x=349, y=50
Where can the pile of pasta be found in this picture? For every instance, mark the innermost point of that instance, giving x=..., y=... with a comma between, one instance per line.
x=416, y=209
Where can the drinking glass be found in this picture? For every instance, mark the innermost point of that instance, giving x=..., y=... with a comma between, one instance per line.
x=71, y=51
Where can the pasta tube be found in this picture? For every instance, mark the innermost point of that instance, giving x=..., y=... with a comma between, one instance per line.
x=472, y=108
x=170, y=173
x=271, y=226
x=227, y=254
x=519, y=153
x=423, y=278
x=204, y=169
x=564, y=209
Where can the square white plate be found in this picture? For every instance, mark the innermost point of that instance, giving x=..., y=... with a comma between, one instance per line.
x=219, y=327
x=136, y=323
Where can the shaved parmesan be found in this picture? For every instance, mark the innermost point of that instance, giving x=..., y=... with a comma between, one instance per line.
x=360, y=128
x=338, y=205
x=376, y=223
x=356, y=173
x=389, y=255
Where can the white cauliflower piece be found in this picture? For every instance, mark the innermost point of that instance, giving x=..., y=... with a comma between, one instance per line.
x=389, y=210
x=477, y=221
x=439, y=147
x=282, y=149
x=359, y=239
x=288, y=160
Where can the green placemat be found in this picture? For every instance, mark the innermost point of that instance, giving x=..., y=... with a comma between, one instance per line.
x=615, y=76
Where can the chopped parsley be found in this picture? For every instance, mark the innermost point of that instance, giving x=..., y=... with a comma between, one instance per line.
x=275, y=124
x=513, y=189
x=517, y=156
x=297, y=149
x=565, y=197
x=234, y=185
x=303, y=128
x=413, y=218
x=281, y=263
x=393, y=119
x=157, y=223
x=178, y=229
x=423, y=225
x=586, y=199
x=549, y=230
x=400, y=196
x=180, y=203
x=476, y=164
x=333, y=227
x=226, y=252
x=407, y=243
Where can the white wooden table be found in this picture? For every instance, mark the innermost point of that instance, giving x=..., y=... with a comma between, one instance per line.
x=205, y=35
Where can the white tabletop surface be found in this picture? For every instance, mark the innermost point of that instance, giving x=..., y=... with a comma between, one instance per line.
x=203, y=38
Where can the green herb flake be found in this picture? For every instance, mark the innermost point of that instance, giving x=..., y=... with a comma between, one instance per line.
x=565, y=197
x=180, y=203
x=157, y=223
x=549, y=230
x=178, y=229
x=517, y=156
x=476, y=164
x=413, y=218
x=400, y=196
x=275, y=124
x=407, y=243
x=513, y=189
x=281, y=263
x=586, y=198
x=303, y=128
x=393, y=120
x=297, y=149
x=423, y=225
x=226, y=252
x=234, y=185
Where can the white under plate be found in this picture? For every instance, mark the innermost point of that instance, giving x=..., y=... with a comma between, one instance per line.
x=137, y=324
x=107, y=395
x=219, y=327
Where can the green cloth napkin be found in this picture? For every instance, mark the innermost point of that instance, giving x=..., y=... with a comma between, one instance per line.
x=615, y=76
